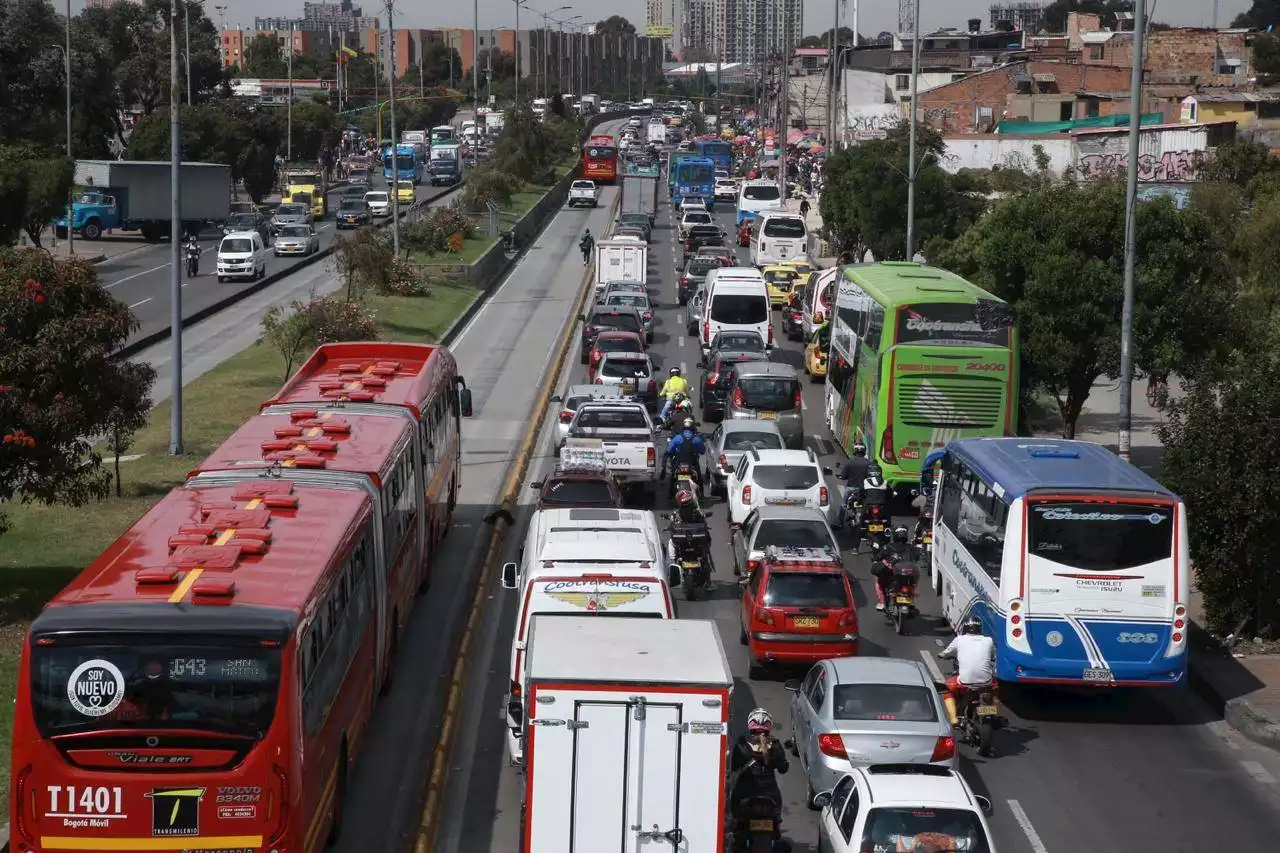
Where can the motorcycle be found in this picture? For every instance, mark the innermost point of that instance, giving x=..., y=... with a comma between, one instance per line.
x=976, y=715
x=900, y=590
x=193, y=260
x=922, y=536
x=757, y=826
x=686, y=477
x=872, y=517
x=691, y=552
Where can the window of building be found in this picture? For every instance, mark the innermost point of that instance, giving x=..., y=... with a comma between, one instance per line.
x=1064, y=111
x=902, y=82
x=1095, y=51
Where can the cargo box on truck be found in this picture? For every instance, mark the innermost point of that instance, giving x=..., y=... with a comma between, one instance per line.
x=626, y=736
x=136, y=195
x=621, y=259
x=640, y=195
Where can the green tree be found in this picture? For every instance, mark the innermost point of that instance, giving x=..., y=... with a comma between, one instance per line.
x=131, y=405
x=1055, y=14
x=1218, y=459
x=34, y=189
x=1244, y=163
x=844, y=36
x=441, y=64
x=364, y=261
x=615, y=25
x=313, y=129
x=264, y=59
x=1259, y=16
x=289, y=332
x=214, y=132
x=57, y=316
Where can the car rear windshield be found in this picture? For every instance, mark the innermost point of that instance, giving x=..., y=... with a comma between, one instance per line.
x=613, y=344
x=577, y=493
x=624, y=368
x=627, y=322
x=612, y=419
x=743, y=440
x=295, y=231
x=353, y=204
x=245, y=220
x=806, y=589
x=705, y=232
x=739, y=342
x=772, y=393
x=790, y=228
x=291, y=210
x=631, y=300
x=905, y=829
x=89, y=684
x=785, y=477
x=237, y=245
x=898, y=702
x=698, y=216
x=793, y=533
x=763, y=192
x=739, y=309
x=375, y=196
x=702, y=265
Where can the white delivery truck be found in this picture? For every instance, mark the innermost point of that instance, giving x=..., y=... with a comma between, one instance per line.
x=657, y=133
x=627, y=735
x=621, y=259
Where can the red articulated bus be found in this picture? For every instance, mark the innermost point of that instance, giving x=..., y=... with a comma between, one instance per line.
x=600, y=160
x=205, y=684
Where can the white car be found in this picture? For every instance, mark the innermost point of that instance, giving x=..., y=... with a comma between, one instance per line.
x=583, y=193
x=575, y=396
x=242, y=254
x=632, y=373
x=726, y=189
x=692, y=218
x=693, y=202
x=894, y=806
x=776, y=478
x=379, y=203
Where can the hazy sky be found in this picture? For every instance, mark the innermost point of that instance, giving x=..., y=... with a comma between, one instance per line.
x=873, y=15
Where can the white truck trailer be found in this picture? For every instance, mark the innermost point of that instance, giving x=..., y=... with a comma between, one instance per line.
x=627, y=735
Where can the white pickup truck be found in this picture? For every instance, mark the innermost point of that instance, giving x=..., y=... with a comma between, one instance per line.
x=626, y=436
x=584, y=193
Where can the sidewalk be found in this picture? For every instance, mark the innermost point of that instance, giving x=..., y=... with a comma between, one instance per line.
x=93, y=251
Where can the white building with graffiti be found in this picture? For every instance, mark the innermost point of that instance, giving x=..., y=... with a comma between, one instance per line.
x=1168, y=153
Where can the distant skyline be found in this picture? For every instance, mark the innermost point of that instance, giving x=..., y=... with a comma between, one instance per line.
x=874, y=16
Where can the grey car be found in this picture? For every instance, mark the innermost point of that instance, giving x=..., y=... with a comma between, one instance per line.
x=296, y=240
x=882, y=710
x=575, y=396
x=768, y=391
x=637, y=220
x=693, y=309
x=638, y=301
x=729, y=441
x=784, y=526
x=291, y=214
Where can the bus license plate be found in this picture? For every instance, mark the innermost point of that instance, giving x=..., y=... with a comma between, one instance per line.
x=988, y=710
x=875, y=528
x=760, y=826
x=1099, y=674
x=805, y=621
x=903, y=599
x=768, y=416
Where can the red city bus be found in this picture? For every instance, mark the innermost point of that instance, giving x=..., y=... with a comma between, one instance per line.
x=600, y=160
x=206, y=682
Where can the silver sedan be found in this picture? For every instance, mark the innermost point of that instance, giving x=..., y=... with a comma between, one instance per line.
x=638, y=301
x=296, y=240
x=729, y=441
x=863, y=711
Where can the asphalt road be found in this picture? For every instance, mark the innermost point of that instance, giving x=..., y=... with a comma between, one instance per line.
x=502, y=353
x=1122, y=772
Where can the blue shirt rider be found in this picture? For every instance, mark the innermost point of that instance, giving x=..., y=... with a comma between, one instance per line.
x=684, y=449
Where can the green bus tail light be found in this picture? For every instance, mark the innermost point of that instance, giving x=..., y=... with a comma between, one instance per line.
x=886, y=445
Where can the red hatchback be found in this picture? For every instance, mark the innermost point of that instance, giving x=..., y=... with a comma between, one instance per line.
x=612, y=342
x=797, y=608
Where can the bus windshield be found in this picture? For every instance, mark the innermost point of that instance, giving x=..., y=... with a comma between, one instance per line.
x=696, y=174
x=946, y=323
x=1100, y=537
x=92, y=683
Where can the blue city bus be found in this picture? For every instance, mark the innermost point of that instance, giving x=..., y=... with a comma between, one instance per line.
x=720, y=152
x=1075, y=561
x=408, y=165
x=696, y=176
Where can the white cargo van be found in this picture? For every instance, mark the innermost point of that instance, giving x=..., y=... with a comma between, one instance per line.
x=778, y=237
x=737, y=300
x=592, y=562
x=819, y=297
x=627, y=735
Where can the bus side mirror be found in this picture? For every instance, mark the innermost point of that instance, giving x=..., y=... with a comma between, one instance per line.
x=510, y=573
x=464, y=402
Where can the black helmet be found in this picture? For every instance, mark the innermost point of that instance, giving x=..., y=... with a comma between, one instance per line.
x=900, y=534
x=972, y=625
x=859, y=449
x=874, y=474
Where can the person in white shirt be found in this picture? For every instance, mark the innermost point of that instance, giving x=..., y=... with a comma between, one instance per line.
x=976, y=656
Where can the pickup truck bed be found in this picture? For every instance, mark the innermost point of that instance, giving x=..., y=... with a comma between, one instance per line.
x=627, y=438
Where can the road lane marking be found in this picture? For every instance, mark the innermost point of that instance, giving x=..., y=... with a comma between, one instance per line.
x=1258, y=772
x=1027, y=829
x=143, y=302
x=680, y=341
x=929, y=662
x=135, y=275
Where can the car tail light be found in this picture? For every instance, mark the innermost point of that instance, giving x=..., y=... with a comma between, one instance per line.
x=798, y=400
x=684, y=279
x=752, y=566
x=595, y=357
x=589, y=330
x=282, y=821
x=20, y=797
x=650, y=460
x=832, y=745
x=770, y=333
x=818, y=317
x=652, y=386
x=724, y=462
x=599, y=380
x=849, y=619
x=566, y=416
x=648, y=315
x=944, y=749
x=706, y=331
x=737, y=397
x=823, y=496
x=746, y=495
x=516, y=692
x=763, y=616
x=713, y=378
x=886, y=446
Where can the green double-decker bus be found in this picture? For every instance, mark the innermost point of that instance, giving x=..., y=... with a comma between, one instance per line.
x=918, y=357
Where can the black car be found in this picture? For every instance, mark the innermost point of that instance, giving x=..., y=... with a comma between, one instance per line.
x=578, y=489
x=695, y=273
x=702, y=235
x=353, y=213
x=717, y=379
x=248, y=222
x=738, y=340
x=637, y=220
x=600, y=319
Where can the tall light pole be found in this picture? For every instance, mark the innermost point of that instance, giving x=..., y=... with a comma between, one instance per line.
x=175, y=239
x=1131, y=229
x=475, y=61
x=831, y=84
x=288, y=148
x=518, y=4
x=911, y=145
x=66, y=56
x=395, y=155
x=546, y=32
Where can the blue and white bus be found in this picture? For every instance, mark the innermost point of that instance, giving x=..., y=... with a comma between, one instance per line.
x=720, y=152
x=408, y=163
x=696, y=176
x=1075, y=561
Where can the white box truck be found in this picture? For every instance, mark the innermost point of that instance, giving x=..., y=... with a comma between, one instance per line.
x=627, y=735
x=621, y=259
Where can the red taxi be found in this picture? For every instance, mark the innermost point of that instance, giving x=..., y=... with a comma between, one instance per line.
x=611, y=341
x=797, y=608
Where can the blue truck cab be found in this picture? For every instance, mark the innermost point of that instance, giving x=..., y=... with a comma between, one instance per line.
x=92, y=213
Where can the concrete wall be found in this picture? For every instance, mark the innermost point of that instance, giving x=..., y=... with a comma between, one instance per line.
x=1010, y=152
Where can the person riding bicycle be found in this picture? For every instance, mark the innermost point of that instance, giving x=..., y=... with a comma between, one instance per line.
x=586, y=244
x=675, y=384
x=853, y=473
x=684, y=449
x=975, y=656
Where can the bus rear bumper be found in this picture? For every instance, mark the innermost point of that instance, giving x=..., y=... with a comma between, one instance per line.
x=1166, y=672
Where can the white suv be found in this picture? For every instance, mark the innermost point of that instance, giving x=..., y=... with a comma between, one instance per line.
x=895, y=806
x=776, y=478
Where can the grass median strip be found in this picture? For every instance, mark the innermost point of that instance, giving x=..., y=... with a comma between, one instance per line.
x=48, y=545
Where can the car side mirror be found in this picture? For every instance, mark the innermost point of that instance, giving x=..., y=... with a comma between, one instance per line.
x=673, y=576
x=826, y=469
x=510, y=575
x=515, y=712
x=734, y=526
x=792, y=684
x=821, y=801
x=582, y=318
x=556, y=398
x=537, y=485
x=983, y=803
x=464, y=402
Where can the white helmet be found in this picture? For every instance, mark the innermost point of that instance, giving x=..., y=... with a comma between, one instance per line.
x=688, y=423
x=759, y=721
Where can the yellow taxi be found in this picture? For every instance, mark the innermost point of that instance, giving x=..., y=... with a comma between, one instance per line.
x=815, y=360
x=803, y=268
x=404, y=192
x=779, y=280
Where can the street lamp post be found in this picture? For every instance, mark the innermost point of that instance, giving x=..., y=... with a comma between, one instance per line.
x=546, y=31
x=288, y=148
x=66, y=55
x=518, y=4
x=1131, y=230
x=175, y=239
x=911, y=145
x=395, y=156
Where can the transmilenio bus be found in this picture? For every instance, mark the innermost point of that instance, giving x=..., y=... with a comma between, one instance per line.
x=919, y=357
x=207, y=682
x=600, y=159
x=1075, y=561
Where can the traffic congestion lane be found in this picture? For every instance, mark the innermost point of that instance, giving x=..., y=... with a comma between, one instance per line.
x=502, y=353
x=1099, y=772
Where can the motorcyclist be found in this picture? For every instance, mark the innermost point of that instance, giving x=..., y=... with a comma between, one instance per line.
x=675, y=384
x=756, y=757
x=191, y=249
x=586, y=244
x=684, y=449
x=854, y=473
x=927, y=480
x=975, y=655
x=897, y=548
x=688, y=515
